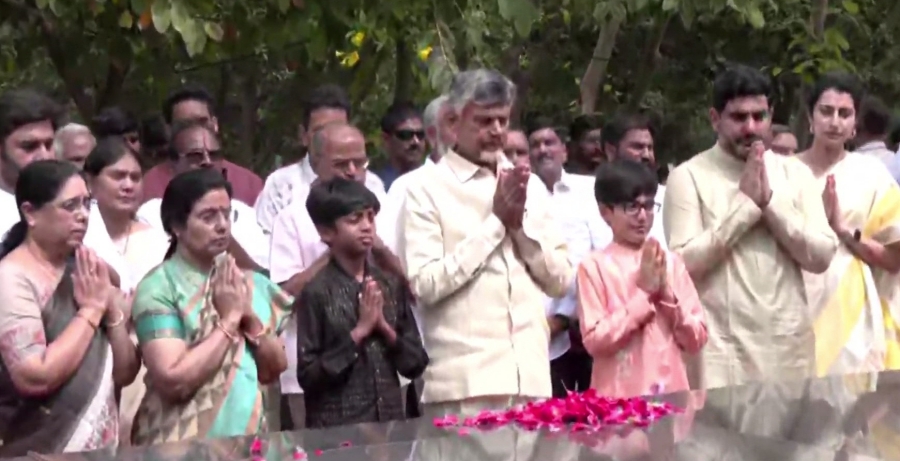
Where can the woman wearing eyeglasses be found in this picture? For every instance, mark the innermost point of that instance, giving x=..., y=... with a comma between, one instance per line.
x=64, y=343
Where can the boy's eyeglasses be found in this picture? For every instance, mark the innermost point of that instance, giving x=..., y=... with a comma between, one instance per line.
x=633, y=208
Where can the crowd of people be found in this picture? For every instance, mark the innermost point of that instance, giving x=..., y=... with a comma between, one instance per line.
x=484, y=266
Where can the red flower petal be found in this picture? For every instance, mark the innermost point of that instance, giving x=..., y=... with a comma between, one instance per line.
x=346, y=444
x=318, y=452
x=580, y=412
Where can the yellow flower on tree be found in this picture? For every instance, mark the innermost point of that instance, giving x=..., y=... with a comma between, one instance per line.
x=357, y=38
x=424, y=53
x=347, y=59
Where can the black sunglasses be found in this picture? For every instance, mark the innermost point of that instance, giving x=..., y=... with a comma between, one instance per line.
x=407, y=135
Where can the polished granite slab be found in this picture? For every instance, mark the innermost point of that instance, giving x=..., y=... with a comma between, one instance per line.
x=852, y=418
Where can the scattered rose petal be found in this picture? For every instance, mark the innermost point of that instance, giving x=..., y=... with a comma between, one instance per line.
x=581, y=412
x=318, y=452
x=299, y=454
x=346, y=444
x=463, y=431
x=256, y=446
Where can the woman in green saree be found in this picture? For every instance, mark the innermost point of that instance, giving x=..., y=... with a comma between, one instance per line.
x=207, y=330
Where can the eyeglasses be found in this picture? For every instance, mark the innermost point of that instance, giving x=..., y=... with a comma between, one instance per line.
x=634, y=208
x=356, y=163
x=76, y=204
x=407, y=135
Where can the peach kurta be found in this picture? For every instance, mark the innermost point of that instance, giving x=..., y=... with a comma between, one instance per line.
x=636, y=344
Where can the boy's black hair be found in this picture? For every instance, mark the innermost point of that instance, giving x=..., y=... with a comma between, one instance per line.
x=623, y=180
x=331, y=200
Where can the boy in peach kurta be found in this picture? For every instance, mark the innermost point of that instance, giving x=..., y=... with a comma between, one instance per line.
x=637, y=307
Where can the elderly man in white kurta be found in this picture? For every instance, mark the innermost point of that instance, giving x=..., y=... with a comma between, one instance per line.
x=480, y=249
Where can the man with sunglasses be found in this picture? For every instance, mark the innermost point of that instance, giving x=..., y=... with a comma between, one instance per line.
x=195, y=145
x=403, y=137
x=28, y=121
x=629, y=135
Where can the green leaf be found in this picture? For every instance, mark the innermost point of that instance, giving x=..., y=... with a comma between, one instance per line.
x=601, y=11
x=850, y=6
x=669, y=5
x=836, y=39
x=194, y=38
x=776, y=71
x=637, y=5
x=755, y=17
x=284, y=5
x=181, y=19
x=161, y=12
x=126, y=20
x=42, y=4
x=214, y=31
x=506, y=8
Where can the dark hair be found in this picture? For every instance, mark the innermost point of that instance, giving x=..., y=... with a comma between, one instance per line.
x=24, y=106
x=840, y=82
x=874, y=117
x=895, y=131
x=154, y=133
x=328, y=96
x=618, y=127
x=182, y=193
x=331, y=200
x=779, y=129
x=538, y=122
x=39, y=184
x=187, y=93
x=108, y=151
x=182, y=127
x=114, y=121
x=398, y=113
x=739, y=81
x=623, y=180
x=583, y=124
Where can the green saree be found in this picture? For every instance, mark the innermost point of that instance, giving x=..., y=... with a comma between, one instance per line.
x=173, y=302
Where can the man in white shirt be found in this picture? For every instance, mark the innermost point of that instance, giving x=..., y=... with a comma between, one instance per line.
x=326, y=104
x=631, y=135
x=297, y=253
x=584, y=231
x=28, y=120
x=873, y=126
x=195, y=145
x=478, y=262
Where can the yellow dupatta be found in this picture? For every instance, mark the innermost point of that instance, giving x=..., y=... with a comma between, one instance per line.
x=856, y=330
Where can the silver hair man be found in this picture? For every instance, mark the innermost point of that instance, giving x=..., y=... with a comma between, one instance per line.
x=73, y=143
x=431, y=118
x=480, y=131
x=483, y=87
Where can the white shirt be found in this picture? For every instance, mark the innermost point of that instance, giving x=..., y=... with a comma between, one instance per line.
x=879, y=150
x=656, y=231
x=153, y=244
x=9, y=212
x=243, y=227
x=278, y=191
x=575, y=211
x=295, y=246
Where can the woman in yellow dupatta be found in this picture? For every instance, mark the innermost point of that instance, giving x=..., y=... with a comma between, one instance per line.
x=854, y=300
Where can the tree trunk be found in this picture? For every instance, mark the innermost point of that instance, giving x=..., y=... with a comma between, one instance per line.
x=403, y=86
x=595, y=74
x=647, y=66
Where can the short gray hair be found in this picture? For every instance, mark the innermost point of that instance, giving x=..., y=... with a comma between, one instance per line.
x=68, y=130
x=480, y=86
x=429, y=118
x=320, y=136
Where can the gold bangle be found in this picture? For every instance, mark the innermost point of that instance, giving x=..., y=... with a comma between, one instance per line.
x=118, y=322
x=227, y=333
x=254, y=339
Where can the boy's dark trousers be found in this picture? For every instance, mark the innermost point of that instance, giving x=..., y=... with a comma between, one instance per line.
x=572, y=370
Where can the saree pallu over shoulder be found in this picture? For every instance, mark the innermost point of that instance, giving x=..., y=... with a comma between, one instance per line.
x=856, y=327
x=231, y=402
x=82, y=414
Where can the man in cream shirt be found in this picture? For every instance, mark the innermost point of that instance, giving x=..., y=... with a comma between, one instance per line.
x=479, y=250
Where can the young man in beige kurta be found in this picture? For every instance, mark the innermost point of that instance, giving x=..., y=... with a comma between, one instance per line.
x=745, y=254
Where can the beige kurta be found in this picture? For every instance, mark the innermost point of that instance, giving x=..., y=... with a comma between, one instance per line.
x=746, y=264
